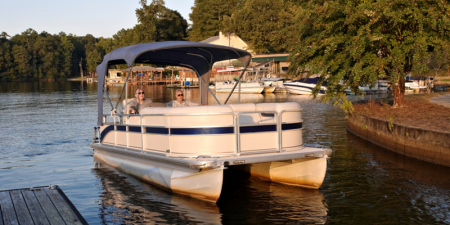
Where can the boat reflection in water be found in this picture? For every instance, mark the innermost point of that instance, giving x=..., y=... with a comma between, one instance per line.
x=127, y=200
x=275, y=202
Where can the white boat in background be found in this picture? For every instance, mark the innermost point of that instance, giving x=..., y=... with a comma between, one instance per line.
x=380, y=86
x=276, y=83
x=186, y=149
x=413, y=84
x=303, y=86
x=268, y=89
x=246, y=88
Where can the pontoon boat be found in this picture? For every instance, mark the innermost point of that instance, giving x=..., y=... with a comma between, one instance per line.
x=187, y=149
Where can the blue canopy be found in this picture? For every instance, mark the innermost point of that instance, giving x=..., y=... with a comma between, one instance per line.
x=197, y=56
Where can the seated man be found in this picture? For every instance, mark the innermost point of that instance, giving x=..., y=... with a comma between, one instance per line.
x=180, y=101
x=139, y=103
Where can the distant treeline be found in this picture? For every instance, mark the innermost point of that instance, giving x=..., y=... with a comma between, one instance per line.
x=38, y=56
x=357, y=37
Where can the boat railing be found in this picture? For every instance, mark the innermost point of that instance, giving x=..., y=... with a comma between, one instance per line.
x=125, y=120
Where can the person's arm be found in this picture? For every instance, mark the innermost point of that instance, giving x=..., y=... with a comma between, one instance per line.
x=190, y=103
x=132, y=107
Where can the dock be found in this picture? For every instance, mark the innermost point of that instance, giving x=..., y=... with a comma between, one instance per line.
x=38, y=205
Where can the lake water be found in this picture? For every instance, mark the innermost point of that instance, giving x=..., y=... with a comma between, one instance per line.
x=46, y=129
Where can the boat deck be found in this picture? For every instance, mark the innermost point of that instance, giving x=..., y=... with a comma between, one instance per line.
x=39, y=205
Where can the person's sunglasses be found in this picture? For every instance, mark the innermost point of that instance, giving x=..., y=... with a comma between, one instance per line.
x=138, y=93
x=180, y=95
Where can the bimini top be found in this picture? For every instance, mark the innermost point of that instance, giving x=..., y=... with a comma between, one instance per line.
x=199, y=57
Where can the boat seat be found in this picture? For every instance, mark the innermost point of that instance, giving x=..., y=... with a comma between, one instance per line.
x=221, y=115
x=246, y=118
x=157, y=104
x=279, y=108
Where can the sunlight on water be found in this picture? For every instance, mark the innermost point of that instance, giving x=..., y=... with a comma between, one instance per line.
x=46, y=129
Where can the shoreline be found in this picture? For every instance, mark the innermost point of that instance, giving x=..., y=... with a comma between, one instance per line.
x=421, y=142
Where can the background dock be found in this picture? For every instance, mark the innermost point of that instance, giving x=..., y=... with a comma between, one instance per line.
x=39, y=205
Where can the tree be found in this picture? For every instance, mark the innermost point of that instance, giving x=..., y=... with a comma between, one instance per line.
x=47, y=56
x=93, y=56
x=124, y=38
x=352, y=42
x=207, y=17
x=26, y=66
x=263, y=25
x=6, y=63
x=158, y=23
x=22, y=60
x=66, y=51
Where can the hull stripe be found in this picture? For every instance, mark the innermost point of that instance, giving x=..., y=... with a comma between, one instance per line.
x=201, y=130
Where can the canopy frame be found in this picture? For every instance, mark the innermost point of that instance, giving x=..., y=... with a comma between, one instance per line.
x=173, y=53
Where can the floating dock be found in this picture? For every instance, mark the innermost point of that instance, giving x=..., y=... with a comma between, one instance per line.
x=38, y=205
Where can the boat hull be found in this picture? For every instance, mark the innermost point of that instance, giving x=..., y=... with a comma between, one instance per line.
x=246, y=88
x=268, y=89
x=306, y=173
x=300, y=88
x=205, y=185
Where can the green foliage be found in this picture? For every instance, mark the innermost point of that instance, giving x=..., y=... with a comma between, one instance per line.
x=353, y=43
x=158, y=23
x=208, y=17
x=31, y=56
x=264, y=25
x=6, y=60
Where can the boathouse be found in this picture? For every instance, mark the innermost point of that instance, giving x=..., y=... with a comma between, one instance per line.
x=262, y=63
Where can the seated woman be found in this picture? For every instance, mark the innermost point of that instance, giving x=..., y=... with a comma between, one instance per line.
x=180, y=101
x=139, y=103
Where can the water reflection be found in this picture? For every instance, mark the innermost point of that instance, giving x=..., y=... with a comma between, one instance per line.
x=250, y=200
x=128, y=200
x=425, y=185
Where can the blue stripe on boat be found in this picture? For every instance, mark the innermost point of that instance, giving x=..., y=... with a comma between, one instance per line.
x=203, y=130
x=121, y=128
x=255, y=129
x=291, y=126
x=106, y=131
x=156, y=130
x=134, y=129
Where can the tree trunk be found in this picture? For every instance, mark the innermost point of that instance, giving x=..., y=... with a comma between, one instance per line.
x=399, y=91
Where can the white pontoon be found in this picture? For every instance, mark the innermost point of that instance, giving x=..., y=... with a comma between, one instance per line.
x=185, y=150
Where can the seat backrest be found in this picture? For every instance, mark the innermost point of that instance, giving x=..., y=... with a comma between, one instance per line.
x=294, y=110
x=157, y=104
x=125, y=102
x=246, y=118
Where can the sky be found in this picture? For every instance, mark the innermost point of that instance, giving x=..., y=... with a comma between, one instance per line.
x=101, y=18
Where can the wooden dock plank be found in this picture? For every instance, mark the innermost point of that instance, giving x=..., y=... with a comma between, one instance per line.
x=6, y=204
x=39, y=205
x=23, y=215
x=66, y=211
x=47, y=206
x=34, y=207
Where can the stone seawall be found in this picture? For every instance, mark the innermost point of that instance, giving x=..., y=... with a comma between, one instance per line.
x=428, y=145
